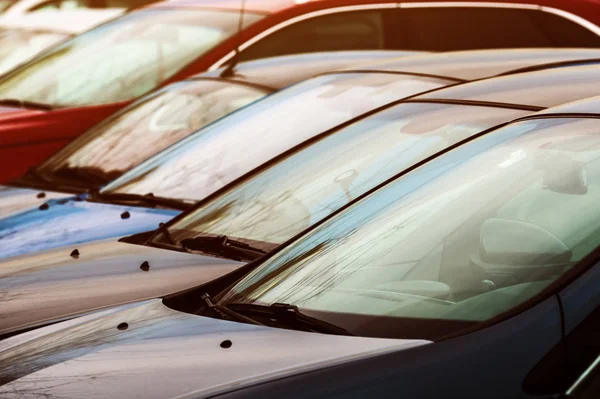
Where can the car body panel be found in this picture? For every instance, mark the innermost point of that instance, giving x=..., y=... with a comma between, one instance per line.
x=479, y=64
x=282, y=71
x=16, y=199
x=182, y=350
x=542, y=88
x=67, y=222
x=23, y=281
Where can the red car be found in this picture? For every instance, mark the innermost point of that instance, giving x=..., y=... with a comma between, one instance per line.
x=51, y=100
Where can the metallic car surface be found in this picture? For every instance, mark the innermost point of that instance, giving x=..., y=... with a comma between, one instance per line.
x=478, y=64
x=15, y=199
x=182, y=351
x=105, y=273
x=68, y=222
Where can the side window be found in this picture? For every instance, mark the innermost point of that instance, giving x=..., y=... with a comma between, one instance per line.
x=356, y=30
x=469, y=28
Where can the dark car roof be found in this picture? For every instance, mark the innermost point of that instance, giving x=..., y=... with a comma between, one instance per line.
x=279, y=72
x=543, y=89
x=477, y=64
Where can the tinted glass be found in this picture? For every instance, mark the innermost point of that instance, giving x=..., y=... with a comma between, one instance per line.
x=231, y=147
x=149, y=126
x=364, y=30
x=20, y=46
x=307, y=186
x=120, y=60
x=459, y=240
x=469, y=28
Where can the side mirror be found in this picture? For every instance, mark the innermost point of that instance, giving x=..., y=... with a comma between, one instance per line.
x=517, y=243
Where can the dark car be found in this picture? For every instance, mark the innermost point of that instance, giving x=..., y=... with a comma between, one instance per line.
x=473, y=271
x=60, y=94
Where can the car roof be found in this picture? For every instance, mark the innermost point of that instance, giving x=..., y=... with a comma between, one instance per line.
x=589, y=106
x=282, y=71
x=478, y=64
x=542, y=89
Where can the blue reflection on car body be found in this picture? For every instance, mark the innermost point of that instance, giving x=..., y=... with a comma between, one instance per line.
x=71, y=221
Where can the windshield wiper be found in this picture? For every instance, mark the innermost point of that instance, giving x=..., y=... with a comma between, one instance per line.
x=223, y=246
x=222, y=310
x=147, y=199
x=288, y=315
x=14, y=102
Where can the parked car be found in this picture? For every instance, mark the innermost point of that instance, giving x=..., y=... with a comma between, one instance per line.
x=23, y=38
x=475, y=271
x=250, y=216
x=161, y=118
x=57, y=96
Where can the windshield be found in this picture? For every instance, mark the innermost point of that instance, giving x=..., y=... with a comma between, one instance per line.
x=217, y=155
x=20, y=46
x=149, y=126
x=122, y=59
x=307, y=186
x=456, y=242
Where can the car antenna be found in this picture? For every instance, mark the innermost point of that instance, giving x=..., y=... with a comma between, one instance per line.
x=230, y=70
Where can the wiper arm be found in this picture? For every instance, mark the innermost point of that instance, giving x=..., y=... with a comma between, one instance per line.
x=228, y=312
x=223, y=246
x=148, y=199
x=286, y=314
x=14, y=102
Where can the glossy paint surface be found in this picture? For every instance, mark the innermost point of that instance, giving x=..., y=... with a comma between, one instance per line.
x=543, y=88
x=471, y=65
x=15, y=199
x=68, y=222
x=106, y=273
x=28, y=137
x=92, y=358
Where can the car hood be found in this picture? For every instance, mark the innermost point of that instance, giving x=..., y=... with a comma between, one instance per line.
x=104, y=274
x=15, y=199
x=162, y=353
x=67, y=222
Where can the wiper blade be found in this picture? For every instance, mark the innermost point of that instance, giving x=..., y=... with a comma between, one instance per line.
x=289, y=315
x=147, y=199
x=228, y=312
x=223, y=246
x=14, y=102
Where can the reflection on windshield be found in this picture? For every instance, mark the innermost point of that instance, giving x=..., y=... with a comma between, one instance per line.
x=20, y=46
x=219, y=154
x=149, y=126
x=121, y=60
x=463, y=238
x=309, y=185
